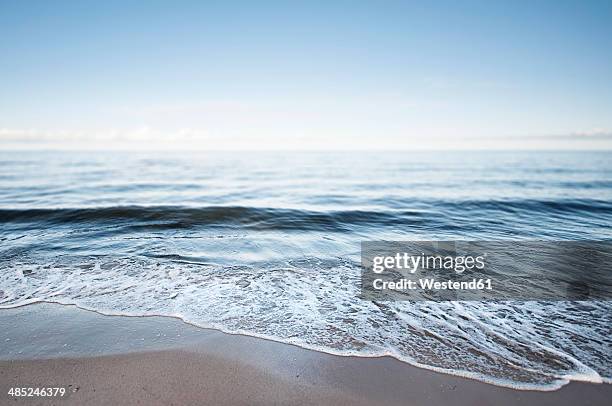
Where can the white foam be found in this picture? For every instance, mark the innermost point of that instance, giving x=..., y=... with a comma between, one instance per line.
x=314, y=303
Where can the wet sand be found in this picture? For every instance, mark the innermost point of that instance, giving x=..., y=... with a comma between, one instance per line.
x=162, y=361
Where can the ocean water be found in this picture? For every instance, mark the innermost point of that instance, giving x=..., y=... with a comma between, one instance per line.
x=267, y=244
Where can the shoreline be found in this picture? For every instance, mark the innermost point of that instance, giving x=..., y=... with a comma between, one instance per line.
x=214, y=330
x=209, y=330
x=163, y=359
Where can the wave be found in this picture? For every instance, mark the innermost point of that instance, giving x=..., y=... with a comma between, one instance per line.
x=184, y=217
x=263, y=218
x=314, y=303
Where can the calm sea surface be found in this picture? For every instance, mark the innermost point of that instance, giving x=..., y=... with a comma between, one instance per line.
x=267, y=244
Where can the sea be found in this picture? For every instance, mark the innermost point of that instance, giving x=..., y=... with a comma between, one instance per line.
x=267, y=244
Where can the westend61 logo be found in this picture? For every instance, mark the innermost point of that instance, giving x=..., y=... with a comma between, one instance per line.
x=476, y=270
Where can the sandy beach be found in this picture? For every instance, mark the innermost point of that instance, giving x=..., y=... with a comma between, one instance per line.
x=163, y=361
x=306, y=203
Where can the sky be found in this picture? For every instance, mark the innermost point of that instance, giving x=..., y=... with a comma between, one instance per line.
x=306, y=74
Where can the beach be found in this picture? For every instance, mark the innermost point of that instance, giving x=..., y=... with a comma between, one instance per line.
x=159, y=360
x=306, y=203
x=267, y=250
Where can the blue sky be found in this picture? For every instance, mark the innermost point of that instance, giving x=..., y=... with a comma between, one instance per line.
x=224, y=75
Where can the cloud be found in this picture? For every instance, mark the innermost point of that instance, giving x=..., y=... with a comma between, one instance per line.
x=595, y=134
x=134, y=135
x=147, y=137
x=592, y=135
